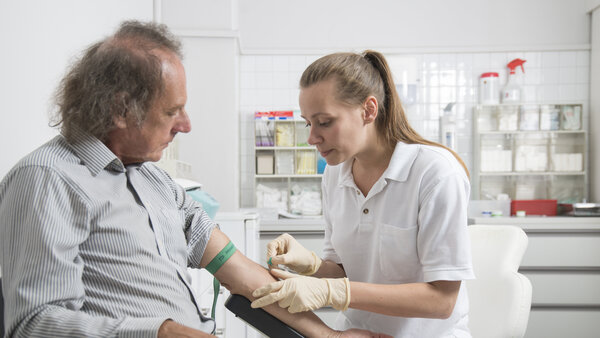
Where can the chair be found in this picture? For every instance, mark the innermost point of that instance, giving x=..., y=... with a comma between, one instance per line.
x=499, y=297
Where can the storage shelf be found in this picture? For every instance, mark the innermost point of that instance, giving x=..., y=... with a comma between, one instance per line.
x=502, y=132
x=286, y=148
x=530, y=173
x=289, y=176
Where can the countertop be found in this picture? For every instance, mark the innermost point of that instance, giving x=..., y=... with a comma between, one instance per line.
x=529, y=223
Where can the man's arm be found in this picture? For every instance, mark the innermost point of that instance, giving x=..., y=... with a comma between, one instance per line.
x=242, y=276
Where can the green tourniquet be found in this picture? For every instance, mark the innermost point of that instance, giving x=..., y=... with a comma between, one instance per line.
x=270, y=263
x=214, y=266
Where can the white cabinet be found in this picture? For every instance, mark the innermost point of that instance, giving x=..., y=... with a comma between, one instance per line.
x=242, y=229
x=288, y=171
x=562, y=262
x=530, y=152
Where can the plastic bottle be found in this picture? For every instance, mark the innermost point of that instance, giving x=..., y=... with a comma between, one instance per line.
x=511, y=93
x=448, y=127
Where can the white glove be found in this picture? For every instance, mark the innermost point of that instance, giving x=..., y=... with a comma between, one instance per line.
x=287, y=251
x=303, y=293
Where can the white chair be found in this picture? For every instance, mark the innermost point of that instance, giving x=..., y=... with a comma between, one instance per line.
x=499, y=297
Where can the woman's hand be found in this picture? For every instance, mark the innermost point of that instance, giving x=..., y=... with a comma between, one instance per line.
x=302, y=293
x=287, y=251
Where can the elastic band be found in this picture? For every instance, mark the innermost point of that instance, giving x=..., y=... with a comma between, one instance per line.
x=222, y=257
x=214, y=266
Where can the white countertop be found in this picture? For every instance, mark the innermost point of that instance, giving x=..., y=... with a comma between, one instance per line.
x=541, y=223
x=529, y=223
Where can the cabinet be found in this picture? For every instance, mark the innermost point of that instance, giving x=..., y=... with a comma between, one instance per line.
x=288, y=170
x=562, y=261
x=530, y=151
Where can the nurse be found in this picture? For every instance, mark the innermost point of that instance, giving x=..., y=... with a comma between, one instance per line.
x=395, y=208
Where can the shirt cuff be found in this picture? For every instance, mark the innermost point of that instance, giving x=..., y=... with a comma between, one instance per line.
x=140, y=327
x=448, y=274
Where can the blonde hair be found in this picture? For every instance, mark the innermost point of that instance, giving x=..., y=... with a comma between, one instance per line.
x=359, y=76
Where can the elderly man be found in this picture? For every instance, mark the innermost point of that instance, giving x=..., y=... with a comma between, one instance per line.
x=95, y=240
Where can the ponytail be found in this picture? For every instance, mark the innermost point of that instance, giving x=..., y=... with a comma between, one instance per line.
x=358, y=77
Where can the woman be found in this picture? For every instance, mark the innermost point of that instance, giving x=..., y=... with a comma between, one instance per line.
x=395, y=207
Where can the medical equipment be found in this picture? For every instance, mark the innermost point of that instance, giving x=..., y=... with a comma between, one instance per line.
x=259, y=318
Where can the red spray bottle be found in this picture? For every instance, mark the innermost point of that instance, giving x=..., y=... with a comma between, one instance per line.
x=511, y=93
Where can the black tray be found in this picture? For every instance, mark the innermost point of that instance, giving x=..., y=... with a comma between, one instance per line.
x=259, y=318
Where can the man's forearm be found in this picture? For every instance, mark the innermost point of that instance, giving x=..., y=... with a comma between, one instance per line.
x=242, y=276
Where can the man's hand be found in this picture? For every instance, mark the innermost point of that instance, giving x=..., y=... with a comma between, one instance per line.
x=303, y=293
x=171, y=329
x=287, y=251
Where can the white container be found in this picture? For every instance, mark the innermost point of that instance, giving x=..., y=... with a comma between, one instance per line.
x=489, y=88
x=529, y=118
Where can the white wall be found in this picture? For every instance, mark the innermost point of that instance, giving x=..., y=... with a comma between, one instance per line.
x=38, y=40
x=207, y=28
x=383, y=24
x=593, y=7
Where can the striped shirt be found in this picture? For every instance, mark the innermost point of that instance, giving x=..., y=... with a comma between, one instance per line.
x=92, y=248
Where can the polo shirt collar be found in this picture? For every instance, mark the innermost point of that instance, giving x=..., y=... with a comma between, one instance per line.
x=398, y=170
x=94, y=154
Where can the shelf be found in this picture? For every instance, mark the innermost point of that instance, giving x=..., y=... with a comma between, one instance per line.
x=531, y=173
x=502, y=132
x=289, y=176
x=286, y=148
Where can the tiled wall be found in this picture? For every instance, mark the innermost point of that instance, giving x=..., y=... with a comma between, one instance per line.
x=270, y=82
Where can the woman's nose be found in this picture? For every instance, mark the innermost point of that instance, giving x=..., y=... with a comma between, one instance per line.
x=313, y=137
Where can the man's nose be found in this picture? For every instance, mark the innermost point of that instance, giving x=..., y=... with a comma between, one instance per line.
x=183, y=124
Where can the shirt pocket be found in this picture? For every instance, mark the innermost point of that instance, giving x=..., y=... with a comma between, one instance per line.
x=172, y=222
x=398, y=259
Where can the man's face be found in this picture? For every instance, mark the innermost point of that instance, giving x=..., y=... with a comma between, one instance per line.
x=166, y=117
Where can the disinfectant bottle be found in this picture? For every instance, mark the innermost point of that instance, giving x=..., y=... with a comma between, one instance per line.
x=511, y=93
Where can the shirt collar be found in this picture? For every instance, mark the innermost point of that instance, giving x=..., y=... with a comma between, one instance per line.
x=94, y=154
x=402, y=160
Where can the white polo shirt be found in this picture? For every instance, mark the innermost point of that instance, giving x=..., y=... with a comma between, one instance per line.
x=411, y=227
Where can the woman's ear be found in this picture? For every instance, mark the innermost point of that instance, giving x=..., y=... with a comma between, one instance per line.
x=370, y=109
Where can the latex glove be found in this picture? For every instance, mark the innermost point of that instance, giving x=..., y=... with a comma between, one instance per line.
x=287, y=251
x=303, y=293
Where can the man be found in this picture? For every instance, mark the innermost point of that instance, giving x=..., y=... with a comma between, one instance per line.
x=94, y=239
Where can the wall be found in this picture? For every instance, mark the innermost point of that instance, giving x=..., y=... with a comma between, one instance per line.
x=207, y=29
x=595, y=105
x=270, y=82
x=404, y=25
x=39, y=38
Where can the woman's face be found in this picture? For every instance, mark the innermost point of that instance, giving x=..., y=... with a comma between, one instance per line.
x=338, y=130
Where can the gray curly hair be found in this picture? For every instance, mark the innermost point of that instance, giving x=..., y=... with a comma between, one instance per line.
x=118, y=76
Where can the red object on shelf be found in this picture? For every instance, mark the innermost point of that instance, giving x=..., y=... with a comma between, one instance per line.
x=534, y=207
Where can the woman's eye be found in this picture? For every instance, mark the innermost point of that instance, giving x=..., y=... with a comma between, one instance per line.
x=307, y=125
x=324, y=124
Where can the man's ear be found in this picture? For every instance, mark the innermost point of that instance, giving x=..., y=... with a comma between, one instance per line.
x=120, y=121
x=370, y=107
x=120, y=118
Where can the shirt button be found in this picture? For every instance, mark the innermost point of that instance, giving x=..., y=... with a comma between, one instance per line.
x=365, y=211
x=358, y=192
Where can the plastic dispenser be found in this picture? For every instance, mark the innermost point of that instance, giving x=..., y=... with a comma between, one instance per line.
x=448, y=127
x=511, y=93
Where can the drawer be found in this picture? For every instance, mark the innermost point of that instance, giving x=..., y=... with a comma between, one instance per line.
x=572, y=288
x=562, y=250
x=550, y=323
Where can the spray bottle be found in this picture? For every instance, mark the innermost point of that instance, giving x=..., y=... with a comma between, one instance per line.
x=511, y=93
